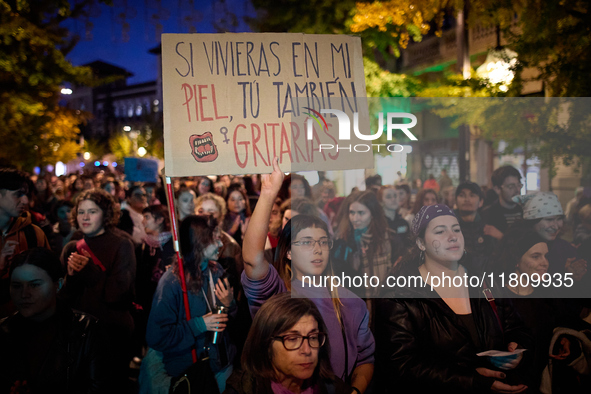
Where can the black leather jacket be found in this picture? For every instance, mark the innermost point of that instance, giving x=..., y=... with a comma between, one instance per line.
x=74, y=360
x=421, y=347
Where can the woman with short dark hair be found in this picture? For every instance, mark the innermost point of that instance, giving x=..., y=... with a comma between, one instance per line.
x=101, y=271
x=154, y=255
x=287, y=351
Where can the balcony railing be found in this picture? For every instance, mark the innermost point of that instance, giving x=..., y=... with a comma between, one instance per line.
x=436, y=50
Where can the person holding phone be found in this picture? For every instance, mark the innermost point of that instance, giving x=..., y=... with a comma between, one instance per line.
x=168, y=330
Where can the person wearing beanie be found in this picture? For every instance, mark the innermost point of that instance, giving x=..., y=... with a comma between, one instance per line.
x=523, y=253
x=427, y=339
x=543, y=214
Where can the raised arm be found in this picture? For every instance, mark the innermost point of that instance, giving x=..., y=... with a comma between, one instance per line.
x=253, y=244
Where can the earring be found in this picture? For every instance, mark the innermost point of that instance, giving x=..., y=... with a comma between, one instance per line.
x=465, y=253
x=422, y=256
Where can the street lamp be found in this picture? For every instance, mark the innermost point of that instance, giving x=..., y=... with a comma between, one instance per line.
x=142, y=151
x=134, y=134
x=498, y=67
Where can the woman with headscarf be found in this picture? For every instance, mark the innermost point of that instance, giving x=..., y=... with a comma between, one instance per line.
x=428, y=338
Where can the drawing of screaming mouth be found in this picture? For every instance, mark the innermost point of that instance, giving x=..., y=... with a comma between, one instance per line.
x=202, y=147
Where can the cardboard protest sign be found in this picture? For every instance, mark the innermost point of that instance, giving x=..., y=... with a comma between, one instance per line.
x=141, y=170
x=233, y=101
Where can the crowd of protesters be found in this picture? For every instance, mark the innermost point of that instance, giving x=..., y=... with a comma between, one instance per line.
x=91, y=287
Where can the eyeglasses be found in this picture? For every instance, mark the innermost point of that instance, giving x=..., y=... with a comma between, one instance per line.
x=309, y=243
x=294, y=342
x=513, y=186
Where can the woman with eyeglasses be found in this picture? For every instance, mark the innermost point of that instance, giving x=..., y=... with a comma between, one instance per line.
x=286, y=352
x=302, y=258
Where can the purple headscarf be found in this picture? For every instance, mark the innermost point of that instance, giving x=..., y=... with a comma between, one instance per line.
x=428, y=213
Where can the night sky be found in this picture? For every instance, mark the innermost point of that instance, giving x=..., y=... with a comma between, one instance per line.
x=123, y=34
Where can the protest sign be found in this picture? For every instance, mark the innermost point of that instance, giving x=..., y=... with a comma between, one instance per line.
x=234, y=101
x=141, y=170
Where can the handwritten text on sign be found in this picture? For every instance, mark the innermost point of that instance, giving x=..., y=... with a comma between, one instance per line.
x=231, y=100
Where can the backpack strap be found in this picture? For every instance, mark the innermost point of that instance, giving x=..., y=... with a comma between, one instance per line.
x=491, y=300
